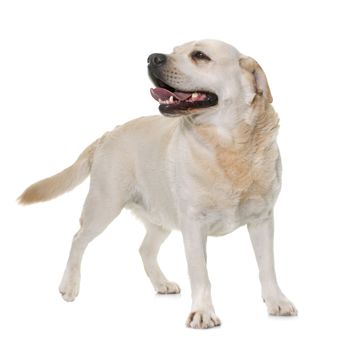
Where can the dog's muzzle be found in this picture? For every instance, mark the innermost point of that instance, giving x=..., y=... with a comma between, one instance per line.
x=171, y=100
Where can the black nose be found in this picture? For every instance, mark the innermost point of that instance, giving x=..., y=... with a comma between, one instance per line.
x=156, y=59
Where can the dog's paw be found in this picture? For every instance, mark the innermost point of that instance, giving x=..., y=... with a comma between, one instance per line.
x=69, y=287
x=280, y=306
x=202, y=319
x=168, y=288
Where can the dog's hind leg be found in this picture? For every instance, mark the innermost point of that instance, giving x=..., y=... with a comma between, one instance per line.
x=149, y=249
x=99, y=210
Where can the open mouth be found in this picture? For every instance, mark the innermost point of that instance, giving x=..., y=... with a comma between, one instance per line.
x=172, y=100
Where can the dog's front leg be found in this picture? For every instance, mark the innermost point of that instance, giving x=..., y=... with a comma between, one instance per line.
x=261, y=234
x=202, y=313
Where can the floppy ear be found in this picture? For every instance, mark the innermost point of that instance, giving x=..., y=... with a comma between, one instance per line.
x=255, y=79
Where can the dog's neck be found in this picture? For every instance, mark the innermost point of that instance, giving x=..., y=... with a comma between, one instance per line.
x=246, y=153
x=232, y=127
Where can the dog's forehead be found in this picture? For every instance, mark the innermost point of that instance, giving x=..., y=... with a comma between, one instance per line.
x=210, y=47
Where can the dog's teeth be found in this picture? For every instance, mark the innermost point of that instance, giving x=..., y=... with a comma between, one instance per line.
x=194, y=95
x=171, y=99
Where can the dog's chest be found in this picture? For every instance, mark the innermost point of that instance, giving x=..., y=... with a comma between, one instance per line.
x=232, y=206
x=239, y=183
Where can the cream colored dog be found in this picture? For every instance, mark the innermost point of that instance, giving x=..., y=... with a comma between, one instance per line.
x=211, y=167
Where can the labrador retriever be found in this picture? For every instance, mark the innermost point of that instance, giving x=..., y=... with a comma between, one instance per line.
x=212, y=166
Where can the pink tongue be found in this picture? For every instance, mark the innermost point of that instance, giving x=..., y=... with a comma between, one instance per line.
x=164, y=94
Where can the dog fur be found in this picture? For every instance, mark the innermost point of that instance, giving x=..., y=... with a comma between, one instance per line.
x=204, y=171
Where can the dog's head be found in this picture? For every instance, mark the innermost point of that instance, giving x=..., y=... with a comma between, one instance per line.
x=204, y=76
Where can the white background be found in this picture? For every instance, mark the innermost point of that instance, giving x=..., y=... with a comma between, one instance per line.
x=69, y=71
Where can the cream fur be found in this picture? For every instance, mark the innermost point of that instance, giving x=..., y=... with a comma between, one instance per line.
x=205, y=173
x=62, y=182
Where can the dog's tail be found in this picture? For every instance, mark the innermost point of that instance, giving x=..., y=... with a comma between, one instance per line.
x=62, y=182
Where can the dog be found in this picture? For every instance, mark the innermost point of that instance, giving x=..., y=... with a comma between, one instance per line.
x=210, y=167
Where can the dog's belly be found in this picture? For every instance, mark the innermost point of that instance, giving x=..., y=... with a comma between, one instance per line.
x=153, y=213
x=218, y=221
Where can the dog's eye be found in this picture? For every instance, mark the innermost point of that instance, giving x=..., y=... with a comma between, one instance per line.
x=199, y=55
